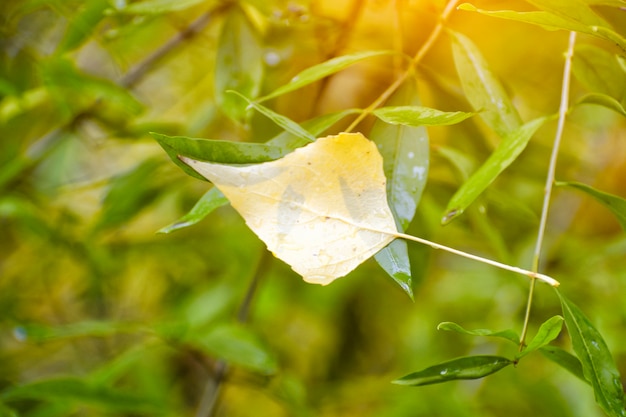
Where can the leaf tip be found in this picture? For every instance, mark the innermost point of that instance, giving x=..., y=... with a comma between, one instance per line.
x=450, y=215
x=467, y=7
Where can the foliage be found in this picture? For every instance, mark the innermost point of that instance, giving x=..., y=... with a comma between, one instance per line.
x=101, y=316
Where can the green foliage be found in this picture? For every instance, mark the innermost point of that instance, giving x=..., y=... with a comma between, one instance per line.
x=100, y=315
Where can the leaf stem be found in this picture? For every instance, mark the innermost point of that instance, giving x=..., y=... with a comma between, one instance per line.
x=564, y=105
x=402, y=78
x=532, y=275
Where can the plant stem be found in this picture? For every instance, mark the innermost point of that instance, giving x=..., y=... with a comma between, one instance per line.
x=402, y=78
x=214, y=385
x=531, y=274
x=567, y=70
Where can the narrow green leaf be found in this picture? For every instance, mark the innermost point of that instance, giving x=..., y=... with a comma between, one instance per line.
x=406, y=159
x=323, y=70
x=599, y=71
x=575, y=10
x=419, y=116
x=239, y=64
x=598, y=365
x=394, y=259
x=507, y=151
x=288, y=142
x=550, y=21
x=616, y=204
x=605, y=101
x=565, y=359
x=482, y=88
x=159, y=6
x=211, y=200
x=611, y=3
x=38, y=333
x=129, y=194
x=548, y=331
x=82, y=25
x=469, y=367
x=282, y=121
x=82, y=391
x=221, y=151
x=279, y=145
x=237, y=345
x=509, y=334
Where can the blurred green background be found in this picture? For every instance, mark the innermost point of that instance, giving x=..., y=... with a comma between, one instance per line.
x=99, y=315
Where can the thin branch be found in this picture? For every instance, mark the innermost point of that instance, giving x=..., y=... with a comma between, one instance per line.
x=215, y=383
x=416, y=59
x=140, y=70
x=567, y=73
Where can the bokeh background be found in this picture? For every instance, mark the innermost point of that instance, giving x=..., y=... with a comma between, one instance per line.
x=100, y=315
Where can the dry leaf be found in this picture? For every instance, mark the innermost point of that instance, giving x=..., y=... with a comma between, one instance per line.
x=322, y=208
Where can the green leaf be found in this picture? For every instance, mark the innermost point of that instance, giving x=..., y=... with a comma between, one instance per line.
x=221, y=151
x=550, y=21
x=394, y=259
x=605, y=101
x=505, y=154
x=288, y=141
x=575, y=10
x=419, y=116
x=599, y=71
x=211, y=200
x=282, y=121
x=82, y=391
x=548, y=331
x=82, y=25
x=279, y=145
x=323, y=70
x=469, y=367
x=509, y=334
x=565, y=359
x=406, y=156
x=482, y=88
x=237, y=345
x=129, y=194
x=598, y=365
x=239, y=64
x=160, y=6
x=616, y=204
x=38, y=333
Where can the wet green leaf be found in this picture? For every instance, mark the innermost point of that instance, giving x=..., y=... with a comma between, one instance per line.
x=282, y=121
x=469, y=367
x=211, y=200
x=509, y=335
x=565, y=359
x=605, y=101
x=548, y=331
x=598, y=365
x=616, y=204
x=82, y=391
x=237, y=345
x=323, y=70
x=419, y=116
x=482, y=88
x=239, y=64
x=504, y=155
x=406, y=157
x=221, y=151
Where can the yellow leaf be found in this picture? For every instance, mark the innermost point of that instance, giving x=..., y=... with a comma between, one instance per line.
x=322, y=208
